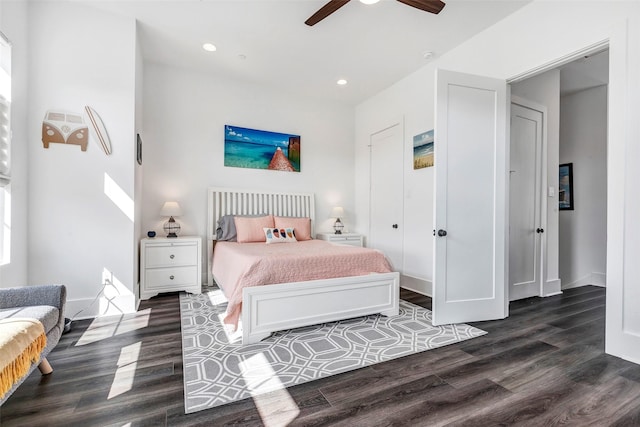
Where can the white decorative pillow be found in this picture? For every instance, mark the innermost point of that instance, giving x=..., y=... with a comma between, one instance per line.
x=279, y=235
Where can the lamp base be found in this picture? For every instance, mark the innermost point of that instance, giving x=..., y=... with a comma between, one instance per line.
x=172, y=228
x=338, y=232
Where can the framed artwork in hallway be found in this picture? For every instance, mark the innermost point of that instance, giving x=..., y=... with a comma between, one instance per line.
x=565, y=189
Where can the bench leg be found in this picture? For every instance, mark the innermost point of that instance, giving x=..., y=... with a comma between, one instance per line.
x=45, y=367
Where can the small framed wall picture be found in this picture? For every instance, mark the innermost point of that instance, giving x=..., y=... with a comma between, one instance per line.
x=565, y=190
x=139, y=149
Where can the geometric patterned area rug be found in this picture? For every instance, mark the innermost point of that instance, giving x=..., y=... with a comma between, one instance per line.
x=219, y=370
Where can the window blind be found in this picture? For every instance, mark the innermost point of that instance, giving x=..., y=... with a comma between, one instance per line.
x=5, y=142
x=5, y=110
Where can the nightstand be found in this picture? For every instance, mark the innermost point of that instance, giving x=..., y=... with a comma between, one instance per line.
x=169, y=265
x=352, y=239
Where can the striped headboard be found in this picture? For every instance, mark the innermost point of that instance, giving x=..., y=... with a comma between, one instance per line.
x=226, y=201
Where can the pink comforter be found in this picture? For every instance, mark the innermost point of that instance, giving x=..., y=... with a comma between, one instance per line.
x=238, y=265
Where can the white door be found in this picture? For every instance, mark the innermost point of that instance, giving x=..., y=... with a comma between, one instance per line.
x=386, y=207
x=525, y=190
x=471, y=212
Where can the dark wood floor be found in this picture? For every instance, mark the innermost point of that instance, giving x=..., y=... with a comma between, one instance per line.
x=544, y=365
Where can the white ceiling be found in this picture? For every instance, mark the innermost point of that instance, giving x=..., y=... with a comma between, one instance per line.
x=584, y=73
x=266, y=41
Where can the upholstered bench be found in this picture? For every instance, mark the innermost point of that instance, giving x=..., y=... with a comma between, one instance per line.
x=45, y=304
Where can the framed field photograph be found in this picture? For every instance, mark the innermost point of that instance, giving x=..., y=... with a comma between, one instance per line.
x=565, y=189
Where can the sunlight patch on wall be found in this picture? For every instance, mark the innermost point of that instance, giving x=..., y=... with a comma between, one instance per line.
x=276, y=407
x=118, y=196
x=126, y=372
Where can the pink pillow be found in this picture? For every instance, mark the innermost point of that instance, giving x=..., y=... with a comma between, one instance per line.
x=251, y=229
x=301, y=225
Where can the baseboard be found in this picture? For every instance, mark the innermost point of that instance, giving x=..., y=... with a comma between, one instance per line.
x=552, y=287
x=553, y=294
x=420, y=286
x=89, y=308
x=599, y=279
x=593, y=279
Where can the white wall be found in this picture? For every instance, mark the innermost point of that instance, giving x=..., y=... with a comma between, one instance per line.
x=511, y=48
x=410, y=100
x=13, y=23
x=544, y=89
x=81, y=211
x=583, y=231
x=184, y=117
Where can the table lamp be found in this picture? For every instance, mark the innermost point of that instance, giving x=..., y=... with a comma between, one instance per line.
x=336, y=213
x=171, y=209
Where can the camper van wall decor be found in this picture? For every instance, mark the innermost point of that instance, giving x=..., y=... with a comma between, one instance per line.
x=259, y=149
x=423, y=150
x=100, y=131
x=63, y=127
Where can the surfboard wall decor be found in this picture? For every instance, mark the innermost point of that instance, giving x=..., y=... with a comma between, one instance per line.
x=100, y=131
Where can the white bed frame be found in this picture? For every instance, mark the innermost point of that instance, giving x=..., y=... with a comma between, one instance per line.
x=271, y=308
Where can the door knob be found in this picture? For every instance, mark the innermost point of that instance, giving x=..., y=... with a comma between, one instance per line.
x=539, y=230
x=395, y=226
x=442, y=233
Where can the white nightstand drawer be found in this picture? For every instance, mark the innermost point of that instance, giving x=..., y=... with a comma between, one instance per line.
x=352, y=239
x=166, y=256
x=170, y=278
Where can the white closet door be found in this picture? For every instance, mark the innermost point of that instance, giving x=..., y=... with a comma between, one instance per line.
x=386, y=197
x=525, y=187
x=471, y=211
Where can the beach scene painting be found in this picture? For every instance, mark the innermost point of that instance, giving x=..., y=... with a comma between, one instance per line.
x=423, y=150
x=259, y=149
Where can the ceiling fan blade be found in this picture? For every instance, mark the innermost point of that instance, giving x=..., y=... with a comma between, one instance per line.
x=433, y=6
x=325, y=11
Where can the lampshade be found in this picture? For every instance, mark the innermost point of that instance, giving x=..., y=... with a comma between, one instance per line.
x=171, y=209
x=337, y=212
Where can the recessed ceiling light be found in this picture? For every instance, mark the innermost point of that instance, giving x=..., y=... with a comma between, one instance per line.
x=341, y=82
x=209, y=47
x=369, y=1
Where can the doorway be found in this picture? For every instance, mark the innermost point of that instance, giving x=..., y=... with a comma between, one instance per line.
x=572, y=241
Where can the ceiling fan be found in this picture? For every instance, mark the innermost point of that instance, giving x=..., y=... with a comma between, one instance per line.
x=433, y=6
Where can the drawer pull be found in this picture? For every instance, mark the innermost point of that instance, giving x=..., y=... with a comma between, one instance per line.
x=172, y=256
x=171, y=277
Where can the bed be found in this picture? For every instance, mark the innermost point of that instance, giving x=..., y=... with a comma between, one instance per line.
x=278, y=306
